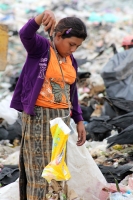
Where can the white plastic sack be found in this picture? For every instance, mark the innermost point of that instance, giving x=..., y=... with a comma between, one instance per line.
x=12, y=159
x=10, y=191
x=7, y=113
x=87, y=180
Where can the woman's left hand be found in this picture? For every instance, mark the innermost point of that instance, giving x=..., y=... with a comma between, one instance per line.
x=81, y=133
x=49, y=21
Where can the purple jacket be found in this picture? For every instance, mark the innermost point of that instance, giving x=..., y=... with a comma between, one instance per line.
x=33, y=73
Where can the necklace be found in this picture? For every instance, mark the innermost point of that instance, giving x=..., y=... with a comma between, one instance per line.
x=61, y=61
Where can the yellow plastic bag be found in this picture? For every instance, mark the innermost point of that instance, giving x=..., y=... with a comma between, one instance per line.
x=57, y=168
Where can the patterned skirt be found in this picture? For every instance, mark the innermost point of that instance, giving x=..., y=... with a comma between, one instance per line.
x=35, y=152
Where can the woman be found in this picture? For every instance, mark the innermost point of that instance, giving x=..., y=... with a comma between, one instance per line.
x=44, y=91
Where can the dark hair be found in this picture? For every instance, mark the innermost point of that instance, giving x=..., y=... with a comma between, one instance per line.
x=71, y=27
x=129, y=46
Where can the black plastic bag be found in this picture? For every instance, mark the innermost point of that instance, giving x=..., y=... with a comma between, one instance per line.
x=99, y=128
x=8, y=175
x=123, y=121
x=119, y=105
x=124, y=137
x=118, y=173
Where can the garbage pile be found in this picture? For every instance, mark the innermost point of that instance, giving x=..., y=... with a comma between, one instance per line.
x=107, y=114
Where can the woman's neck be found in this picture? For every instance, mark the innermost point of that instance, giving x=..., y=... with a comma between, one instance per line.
x=60, y=58
x=63, y=59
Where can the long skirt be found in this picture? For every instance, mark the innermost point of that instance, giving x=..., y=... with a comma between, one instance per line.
x=35, y=152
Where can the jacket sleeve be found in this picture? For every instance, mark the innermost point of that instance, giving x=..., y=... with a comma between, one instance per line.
x=76, y=110
x=33, y=43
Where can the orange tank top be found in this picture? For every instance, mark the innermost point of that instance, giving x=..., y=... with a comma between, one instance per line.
x=52, y=94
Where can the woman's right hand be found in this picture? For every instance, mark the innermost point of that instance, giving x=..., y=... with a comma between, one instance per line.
x=49, y=21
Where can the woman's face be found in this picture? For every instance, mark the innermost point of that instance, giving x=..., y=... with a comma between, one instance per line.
x=66, y=46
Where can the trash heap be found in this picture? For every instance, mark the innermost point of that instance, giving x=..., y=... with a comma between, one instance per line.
x=108, y=22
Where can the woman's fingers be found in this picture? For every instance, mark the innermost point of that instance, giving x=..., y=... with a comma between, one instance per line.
x=81, y=138
x=49, y=21
x=81, y=133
